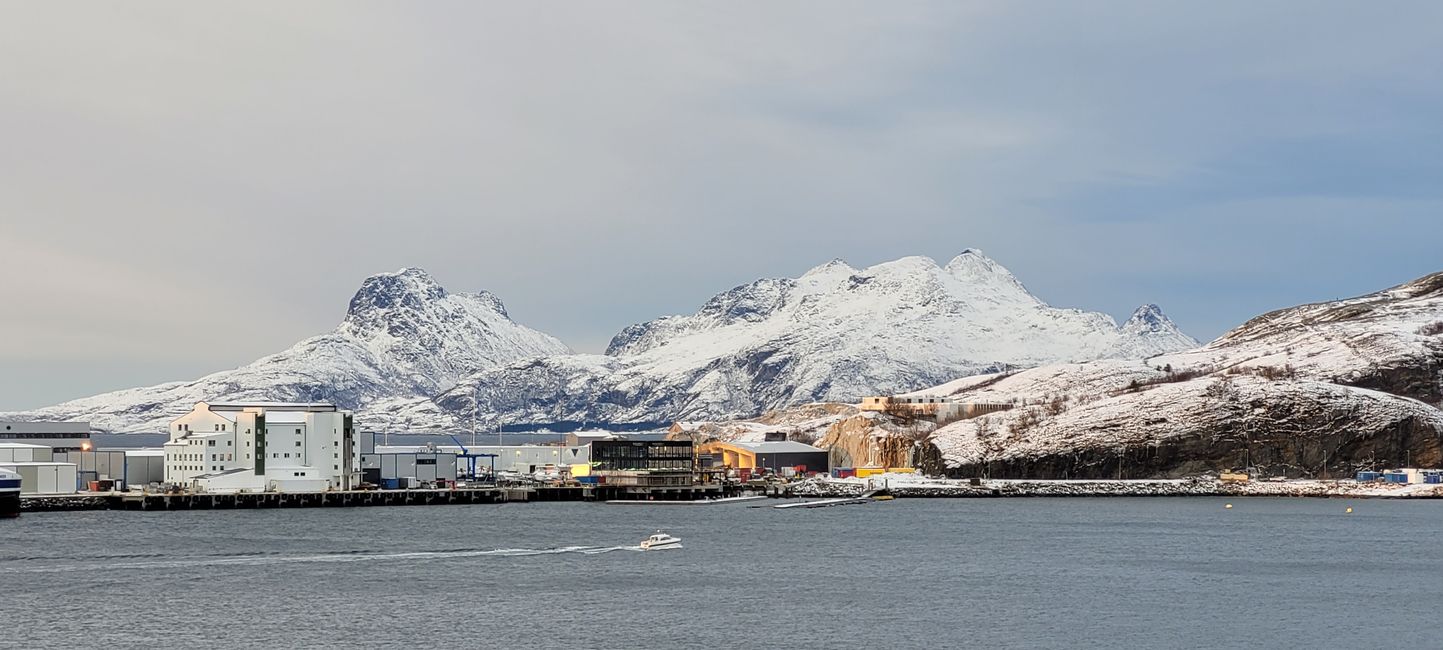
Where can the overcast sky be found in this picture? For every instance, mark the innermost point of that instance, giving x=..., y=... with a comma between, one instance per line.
x=185, y=186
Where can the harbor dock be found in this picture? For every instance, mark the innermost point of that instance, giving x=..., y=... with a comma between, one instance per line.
x=365, y=498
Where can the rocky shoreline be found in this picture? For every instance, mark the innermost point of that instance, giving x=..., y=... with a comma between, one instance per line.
x=907, y=486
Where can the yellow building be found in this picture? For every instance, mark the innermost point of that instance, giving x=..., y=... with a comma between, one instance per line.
x=767, y=455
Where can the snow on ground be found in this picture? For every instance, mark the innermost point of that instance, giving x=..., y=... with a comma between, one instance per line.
x=912, y=485
x=1166, y=411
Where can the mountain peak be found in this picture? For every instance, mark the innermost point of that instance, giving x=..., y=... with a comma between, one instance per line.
x=1149, y=322
x=835, y=265
x=972, y=262
x=407, y=288
x=1149, y=314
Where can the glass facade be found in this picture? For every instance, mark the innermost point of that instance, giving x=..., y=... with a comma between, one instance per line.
x=642, y=455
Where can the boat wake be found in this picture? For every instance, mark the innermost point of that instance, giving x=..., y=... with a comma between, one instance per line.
x=255, y=559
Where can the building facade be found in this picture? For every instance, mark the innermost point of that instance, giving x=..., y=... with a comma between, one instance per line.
x=263, y=446
x=933, y=407
x=774, y=455
x=644, y=463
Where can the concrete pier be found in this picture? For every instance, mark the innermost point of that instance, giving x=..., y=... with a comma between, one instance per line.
x=365, y=498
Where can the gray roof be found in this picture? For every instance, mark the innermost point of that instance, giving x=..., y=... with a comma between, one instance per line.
x=277, y=406
x=785, y=447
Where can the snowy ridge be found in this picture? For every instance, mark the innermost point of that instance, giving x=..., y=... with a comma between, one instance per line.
x=1323, y=383
x=403, y=337
x=834, y=334
x=408, y=351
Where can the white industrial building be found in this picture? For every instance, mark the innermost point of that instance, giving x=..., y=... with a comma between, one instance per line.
x=523, y=459
x=11, y=452
x=39, y=474
x=263, y=446
x=60, y=436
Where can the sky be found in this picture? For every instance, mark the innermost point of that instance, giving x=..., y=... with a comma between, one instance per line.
x=185, y=187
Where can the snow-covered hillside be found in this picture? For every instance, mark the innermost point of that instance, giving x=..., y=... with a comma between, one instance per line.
x=1344, y=383
x=409, y=352
x=403, y=337
x=835, y=334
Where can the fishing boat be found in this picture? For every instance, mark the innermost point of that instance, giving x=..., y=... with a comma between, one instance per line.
x=9, y=494
x=660, y=540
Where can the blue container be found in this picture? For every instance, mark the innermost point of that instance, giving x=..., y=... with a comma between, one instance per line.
x=1433, y=478
x=1395, y=477
x=1364, y=477
x=390, y=484
x=587, y=480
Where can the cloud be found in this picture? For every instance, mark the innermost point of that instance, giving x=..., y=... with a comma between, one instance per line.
x=598, y=164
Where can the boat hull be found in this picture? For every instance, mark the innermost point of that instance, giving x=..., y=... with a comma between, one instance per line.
x=9, y=504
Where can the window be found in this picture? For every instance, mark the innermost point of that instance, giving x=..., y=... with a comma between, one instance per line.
x=227, y=443
x=275, y=455
x=298, y=432
x=288, y=455
x=298, y=443
x=211, y=443
x=335, y=467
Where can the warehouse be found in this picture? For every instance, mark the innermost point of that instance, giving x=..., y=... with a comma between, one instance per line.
x=391, y=469
x=122, y=468
x=43, y=477
x=20, y=452
x=775, y=456
x=523, y=459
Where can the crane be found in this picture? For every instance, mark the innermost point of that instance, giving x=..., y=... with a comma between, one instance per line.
x=471, y=459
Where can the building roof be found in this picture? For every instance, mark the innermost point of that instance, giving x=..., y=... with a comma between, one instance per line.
x=784, y=447
x=10, y=426
x=269, y=406
x=285, y=417
x=21, y=445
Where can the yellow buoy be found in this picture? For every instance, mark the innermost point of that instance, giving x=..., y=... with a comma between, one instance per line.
x=1229, y=506
x=1350, y=509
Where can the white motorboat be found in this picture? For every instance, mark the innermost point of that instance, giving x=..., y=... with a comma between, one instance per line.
x=659, y=541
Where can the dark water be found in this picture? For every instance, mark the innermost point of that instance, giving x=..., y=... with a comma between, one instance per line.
x=1023, y=573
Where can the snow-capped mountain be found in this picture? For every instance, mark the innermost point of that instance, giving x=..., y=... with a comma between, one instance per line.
x=403, y=337
x=1335, y=385
x=834, y=334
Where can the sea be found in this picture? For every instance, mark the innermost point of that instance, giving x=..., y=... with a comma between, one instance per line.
x=918, y=573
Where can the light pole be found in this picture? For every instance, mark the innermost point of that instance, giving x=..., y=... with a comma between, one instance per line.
x=475, y=411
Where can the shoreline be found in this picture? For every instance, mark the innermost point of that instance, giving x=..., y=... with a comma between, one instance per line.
x=898, y=486
x=912, y=487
